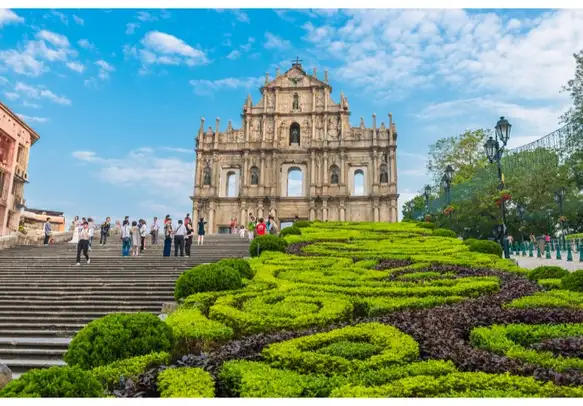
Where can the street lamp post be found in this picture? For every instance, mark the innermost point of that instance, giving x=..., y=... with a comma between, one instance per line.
x=521, y=212
x=446, y=185
x=427, y=194
x=494, y=149
x=411, y=206
x=560, y=198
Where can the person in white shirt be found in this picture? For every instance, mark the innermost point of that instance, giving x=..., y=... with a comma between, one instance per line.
x=143, y=233
x=83, y=244
x=91, y=228
x=179, y=234
x=126, y=238
x=154, y=228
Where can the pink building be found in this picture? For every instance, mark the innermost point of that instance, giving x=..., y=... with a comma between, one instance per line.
x=16, y=138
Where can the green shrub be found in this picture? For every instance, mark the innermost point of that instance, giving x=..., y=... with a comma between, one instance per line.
x=574, y=236
x=54, y=382
x=302, y=223
x=118, y=336
x=207, y=278
x=351, y=350
x=470, y=241
x=461, y=384
x=264, y=243
x=486, y=247
x=290, y=231
x=240, y=265
x=573, y=281
x=547, y=272
x=512, y=340
x=194, y=332
x=427, y=225
x=302, y=355
x=551, y=283
x=444, y=232
x=186, y=383
x=109, y=375
x=552, y=298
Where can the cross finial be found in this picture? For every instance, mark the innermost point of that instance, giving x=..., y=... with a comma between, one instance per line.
x=297, y=61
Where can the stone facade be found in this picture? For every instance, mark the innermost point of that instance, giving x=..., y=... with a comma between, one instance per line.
x=296, y=155
x=16, y=138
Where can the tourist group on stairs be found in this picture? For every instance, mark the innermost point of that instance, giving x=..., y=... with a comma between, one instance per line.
x=259, y=227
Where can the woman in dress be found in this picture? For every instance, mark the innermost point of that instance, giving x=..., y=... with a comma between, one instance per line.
x=75, y=228
x=136, y=239
x=201, y=224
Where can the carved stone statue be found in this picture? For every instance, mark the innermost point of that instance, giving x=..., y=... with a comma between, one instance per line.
x=384, y=174
x=270, y=100
x=206, y=181
x=294, y=135
x=255, y=130
x=254, y=176
x=332, y=127
x=334, y=176
x=296, y=102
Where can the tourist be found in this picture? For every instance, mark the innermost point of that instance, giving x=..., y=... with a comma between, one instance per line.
x=167, y=236
x=135, y=231
x=91, y=231
x=201, y=224
x=47, y=230
x=143, y=233
x=154, y=228
x=532, y=239
x=189, y=237
x=179, y=234
x=242, y=232
x=251, y=227
x=260, y=228
x=83, y=244
x=547, y=239
x=273, y=228
x=126, y=238
x=105, y=227
x=233, y=225
x=187, y=220
x=75, y=229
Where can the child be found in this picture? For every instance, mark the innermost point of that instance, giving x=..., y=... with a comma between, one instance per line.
x=242, y=231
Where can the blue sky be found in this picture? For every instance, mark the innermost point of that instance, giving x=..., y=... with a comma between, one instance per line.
x=117, y=95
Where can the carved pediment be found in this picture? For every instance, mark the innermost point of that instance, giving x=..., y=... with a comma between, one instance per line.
x=296, y=77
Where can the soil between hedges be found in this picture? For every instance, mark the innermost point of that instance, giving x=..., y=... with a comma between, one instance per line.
x=442, y=332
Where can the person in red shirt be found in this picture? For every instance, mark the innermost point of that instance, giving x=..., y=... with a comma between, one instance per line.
x=260, y=228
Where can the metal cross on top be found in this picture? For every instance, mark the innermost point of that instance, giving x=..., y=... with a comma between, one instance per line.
x=297, y=61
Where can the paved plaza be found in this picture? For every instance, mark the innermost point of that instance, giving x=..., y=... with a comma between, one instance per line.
x=531, y=263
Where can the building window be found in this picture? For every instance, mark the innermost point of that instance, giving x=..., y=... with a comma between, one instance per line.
x=295, y=182
x=384, y=175
x=359, y=182
x=294, y=134
x=254, y=175
x=231, y=184
x=334, y=175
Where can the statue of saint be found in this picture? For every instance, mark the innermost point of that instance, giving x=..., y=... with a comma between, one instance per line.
x=384, y=174
x=296, y=102
x=334, y=176
x=254, y=176
x=206, y=176
x=295, y=135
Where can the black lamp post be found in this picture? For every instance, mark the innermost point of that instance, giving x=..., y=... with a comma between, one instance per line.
x=521, y=211
x=494, y=149
x=560, y=198
x=410, y=206
x=446, y=185
x=427, y=194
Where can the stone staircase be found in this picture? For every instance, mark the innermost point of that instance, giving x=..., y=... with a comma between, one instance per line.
x=45, y=299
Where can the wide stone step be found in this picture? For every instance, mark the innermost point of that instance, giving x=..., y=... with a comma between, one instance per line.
x=39, y=353
x=94, y=298
x=38, y=331
x=20, y=365
x=39, y=303
x=34, y=342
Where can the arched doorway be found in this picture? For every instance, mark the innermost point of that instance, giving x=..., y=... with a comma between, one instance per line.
x=231, y=184
x=359, y=182
x=295, y=182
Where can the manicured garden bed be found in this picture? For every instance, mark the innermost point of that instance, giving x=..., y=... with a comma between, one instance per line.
x=343, y=310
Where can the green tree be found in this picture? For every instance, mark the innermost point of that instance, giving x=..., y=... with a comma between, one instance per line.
x=575, y=89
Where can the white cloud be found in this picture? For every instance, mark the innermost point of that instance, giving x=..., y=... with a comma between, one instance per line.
x=146, y=16
x=3, y=80
x=233, y=55
x=59, y=15
x=85, y=43
x=241, y=16
x=390, y=51
x=272, y=41
x=55, y=39
x=30, y=105
x=205, y=87
x=9, y=17
x=167, y=180
x=78, y=20
x=40, y=92
x=11, y=95
x=104, y=65
x=131, y=28
x=165, y=49
x=33, y=119
x=179, y=150
x=76, y=66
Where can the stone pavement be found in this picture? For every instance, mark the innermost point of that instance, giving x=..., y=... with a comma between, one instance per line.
x=531, y=263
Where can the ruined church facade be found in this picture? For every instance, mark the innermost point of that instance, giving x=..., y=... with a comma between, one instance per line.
x=296, y=156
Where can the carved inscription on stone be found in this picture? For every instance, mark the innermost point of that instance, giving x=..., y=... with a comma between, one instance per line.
x=320, y=99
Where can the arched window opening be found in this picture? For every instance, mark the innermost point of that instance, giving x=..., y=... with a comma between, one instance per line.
x=334, y=175
x=295, y=182
x=254, y=175
x=384, y=175
x=231, y=184
x=206, y=175
x=359, y=182
x=294, y=134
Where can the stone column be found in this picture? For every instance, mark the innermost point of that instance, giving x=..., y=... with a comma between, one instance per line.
x=262, y=169
x=243, y=218
x=326, y=180
x=216, y=175
x=312, y=211
x=324, y=209
x=211, y=218
x=393, y=157
x=343, y=167
x=246, y=169
x=313, y=99
x=375, y=211
x=247, y=123
x=375, y=164
x=313, y=169
x=342, y=211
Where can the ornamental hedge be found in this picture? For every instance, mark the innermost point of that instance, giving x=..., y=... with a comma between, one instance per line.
x=350, y=310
